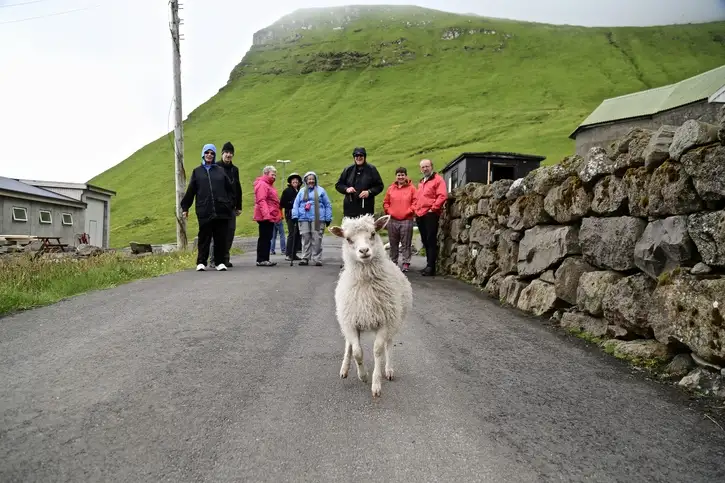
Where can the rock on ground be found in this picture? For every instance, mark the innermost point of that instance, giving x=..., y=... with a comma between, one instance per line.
x=538, y=298
x=579, y=321
x=628, y=301
x=567, y=278
x=592, y=288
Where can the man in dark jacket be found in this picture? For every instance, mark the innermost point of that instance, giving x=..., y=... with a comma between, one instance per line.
x=294, y=242
x=360, y=183
x=233, y=173
x=214, y=206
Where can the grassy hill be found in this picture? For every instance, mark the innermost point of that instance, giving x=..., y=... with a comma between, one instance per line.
x=406, y=83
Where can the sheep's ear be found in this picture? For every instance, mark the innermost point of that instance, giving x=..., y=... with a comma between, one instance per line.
x=382, y=222
x=336, y=230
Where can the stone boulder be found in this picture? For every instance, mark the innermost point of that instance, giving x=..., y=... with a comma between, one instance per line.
x=507, y=251
x=493, y=286
x=569, y=201
x=544, y=246
x=84, y=250
x=592, y=288
x=567, y=278
x=721, y=129
x=691, y=311
x=610, y=197
x=579, y=321
x=500, y=188
x=609, y=242
x=658, y=149
x=483, y=232
x=137, y=248
x=628, y=301
x=482, y=206
x=635, y=182
x=481, y=191
x=510, y=290
x=526, y=212
x=596, y=165
x=538, y=298
x=457, y=226
x=664, y=245
x=645, y=350
x=543, y=179
x=630, y=149
x=707, y=231
x=670, y=192
x=691, y=134
x=706, y=166
x=517, y=189
x=485, y=264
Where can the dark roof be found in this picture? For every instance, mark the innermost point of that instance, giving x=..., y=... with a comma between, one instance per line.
x=494, y=155
x=10, y=184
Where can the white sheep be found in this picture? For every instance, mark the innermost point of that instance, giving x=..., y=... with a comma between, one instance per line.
x=372, y=294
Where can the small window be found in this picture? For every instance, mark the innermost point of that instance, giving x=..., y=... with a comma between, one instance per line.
x=454, y=179
x=67, y=219
x=20, y=214
x=45, y=217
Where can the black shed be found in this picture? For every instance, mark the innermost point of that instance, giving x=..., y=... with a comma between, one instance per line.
x=488, y=167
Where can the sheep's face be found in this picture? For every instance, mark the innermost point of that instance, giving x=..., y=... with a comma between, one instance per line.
x=361, y=240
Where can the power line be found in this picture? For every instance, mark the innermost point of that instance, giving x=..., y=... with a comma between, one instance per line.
x=49, y=15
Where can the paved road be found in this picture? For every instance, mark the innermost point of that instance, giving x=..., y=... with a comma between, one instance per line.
x=234, y=377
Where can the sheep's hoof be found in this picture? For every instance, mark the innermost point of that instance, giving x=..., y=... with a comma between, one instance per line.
x=343, y=374
x=363, y=377
x=389, y=374
x=377, y=389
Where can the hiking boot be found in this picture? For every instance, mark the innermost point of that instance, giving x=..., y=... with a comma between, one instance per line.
x=221, y=268
x=266, y=263
x=201, y=267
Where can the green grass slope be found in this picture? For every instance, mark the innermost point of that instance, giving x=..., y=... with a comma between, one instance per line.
x=406, y=83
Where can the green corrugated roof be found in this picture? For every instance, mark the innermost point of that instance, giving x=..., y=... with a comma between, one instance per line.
x=652, y=101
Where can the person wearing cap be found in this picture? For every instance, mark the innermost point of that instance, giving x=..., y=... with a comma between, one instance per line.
x=233, y=173
x=360, y=182
x=213, y=193
x=286, y=202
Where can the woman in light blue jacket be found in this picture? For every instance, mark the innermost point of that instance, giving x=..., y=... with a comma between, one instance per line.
x=313, y=211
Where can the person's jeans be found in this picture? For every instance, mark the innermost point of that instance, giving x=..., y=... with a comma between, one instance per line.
x=428, y=228
x=278, y=229
x=400, y=232
x=265, y=238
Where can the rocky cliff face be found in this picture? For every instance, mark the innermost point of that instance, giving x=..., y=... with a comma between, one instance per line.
x=626, y=244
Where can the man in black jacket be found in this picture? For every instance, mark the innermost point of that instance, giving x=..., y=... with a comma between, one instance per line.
x=233, y=174
x=360, y=183
x=214, y=206
x=294, y=242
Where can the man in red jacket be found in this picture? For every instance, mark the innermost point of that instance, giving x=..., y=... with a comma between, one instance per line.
x=398, y=203
x=431, y=196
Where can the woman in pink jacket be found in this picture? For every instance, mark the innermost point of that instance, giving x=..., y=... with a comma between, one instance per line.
x=266, y=213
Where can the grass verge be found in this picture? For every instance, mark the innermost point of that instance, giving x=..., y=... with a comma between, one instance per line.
x=27, y=284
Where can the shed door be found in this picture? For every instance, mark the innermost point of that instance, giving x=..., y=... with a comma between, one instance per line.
x=94, y=221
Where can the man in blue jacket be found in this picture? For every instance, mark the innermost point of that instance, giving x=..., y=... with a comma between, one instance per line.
x=313, y=211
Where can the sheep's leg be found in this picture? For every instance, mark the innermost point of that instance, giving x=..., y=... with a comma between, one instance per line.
x=379, y=353
x=346, y=360
x=389, y=360
x=352, y=337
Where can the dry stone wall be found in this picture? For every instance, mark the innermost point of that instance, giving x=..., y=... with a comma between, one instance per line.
x=626, y=244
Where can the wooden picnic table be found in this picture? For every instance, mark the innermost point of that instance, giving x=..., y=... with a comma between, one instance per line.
x=47, y=246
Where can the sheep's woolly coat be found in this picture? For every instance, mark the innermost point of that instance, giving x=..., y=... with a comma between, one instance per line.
x=371, y=295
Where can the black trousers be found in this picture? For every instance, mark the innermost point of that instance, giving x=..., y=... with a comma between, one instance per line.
x=428, y=228
x=231, y=228
x=293, y=236
x=216, y=229
x=266, y=228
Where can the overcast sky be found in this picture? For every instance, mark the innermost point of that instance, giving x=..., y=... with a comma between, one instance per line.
x=85, y=83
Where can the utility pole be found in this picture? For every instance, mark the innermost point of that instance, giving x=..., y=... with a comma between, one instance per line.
x=181, y=238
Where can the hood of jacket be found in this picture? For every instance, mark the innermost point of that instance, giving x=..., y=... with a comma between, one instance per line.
x=263, y=179
x=304, y=178
x=206, y=148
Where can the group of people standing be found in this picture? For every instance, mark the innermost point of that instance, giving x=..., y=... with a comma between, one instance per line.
x=306, y=208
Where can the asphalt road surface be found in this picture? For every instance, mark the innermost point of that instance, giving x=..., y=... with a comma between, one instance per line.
x=234, y=377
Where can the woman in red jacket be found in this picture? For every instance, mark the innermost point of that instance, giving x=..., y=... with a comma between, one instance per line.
x=266, y=213
x=399, y=203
